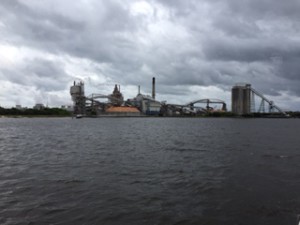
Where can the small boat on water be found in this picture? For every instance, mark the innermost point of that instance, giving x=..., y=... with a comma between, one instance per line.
x=79, y=116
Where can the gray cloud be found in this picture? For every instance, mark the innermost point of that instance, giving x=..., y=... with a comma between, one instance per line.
x=261, y=8
x=182, y=43
x=43, y=74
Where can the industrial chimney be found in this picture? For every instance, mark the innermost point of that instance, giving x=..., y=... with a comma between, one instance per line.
x=153, y=87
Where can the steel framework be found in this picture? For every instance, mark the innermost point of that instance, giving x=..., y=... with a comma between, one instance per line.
x=207, y=101
x=272, y=108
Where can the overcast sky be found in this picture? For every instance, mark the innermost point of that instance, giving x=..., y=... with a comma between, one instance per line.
x=196, y=49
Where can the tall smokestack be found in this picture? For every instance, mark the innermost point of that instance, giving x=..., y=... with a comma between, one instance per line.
x=153, y=87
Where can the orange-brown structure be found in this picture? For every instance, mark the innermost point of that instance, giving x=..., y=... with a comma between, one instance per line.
x=122, y=111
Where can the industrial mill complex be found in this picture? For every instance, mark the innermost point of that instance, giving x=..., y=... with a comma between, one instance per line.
x=245, y=101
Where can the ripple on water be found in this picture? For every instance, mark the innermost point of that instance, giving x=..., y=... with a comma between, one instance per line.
x=148, y=171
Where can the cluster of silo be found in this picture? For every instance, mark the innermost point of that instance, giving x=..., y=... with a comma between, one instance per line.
x=244, y=99
x=241, y=99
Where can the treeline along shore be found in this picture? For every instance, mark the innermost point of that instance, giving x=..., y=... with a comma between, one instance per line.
x=59, y=112
x=34, y=112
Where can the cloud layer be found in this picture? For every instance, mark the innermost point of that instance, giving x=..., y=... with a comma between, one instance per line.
x=195, y=49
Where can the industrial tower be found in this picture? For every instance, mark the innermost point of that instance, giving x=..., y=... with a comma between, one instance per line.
x=79, y=100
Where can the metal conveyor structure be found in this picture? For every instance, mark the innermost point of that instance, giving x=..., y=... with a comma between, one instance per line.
x=208, y=101
x=262, y=109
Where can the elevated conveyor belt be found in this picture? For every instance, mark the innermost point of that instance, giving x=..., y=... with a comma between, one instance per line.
x=208, y=102
x=271, y=103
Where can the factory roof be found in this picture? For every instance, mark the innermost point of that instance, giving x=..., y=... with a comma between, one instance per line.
x=122, y=109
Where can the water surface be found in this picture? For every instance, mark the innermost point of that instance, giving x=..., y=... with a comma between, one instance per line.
x=149, y=171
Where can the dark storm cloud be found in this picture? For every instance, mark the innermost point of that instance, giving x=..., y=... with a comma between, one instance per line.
x=179, y=8
x=291, y=68
x=42, y=74
x=264, y=8
x=183, y=43
x=262, y=32
x=247, y=50
x=30, y=26
x=250, y=33
x=100, y=38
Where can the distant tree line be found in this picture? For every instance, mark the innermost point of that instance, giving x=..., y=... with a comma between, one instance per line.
x=294, y=114
x=34, y=112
